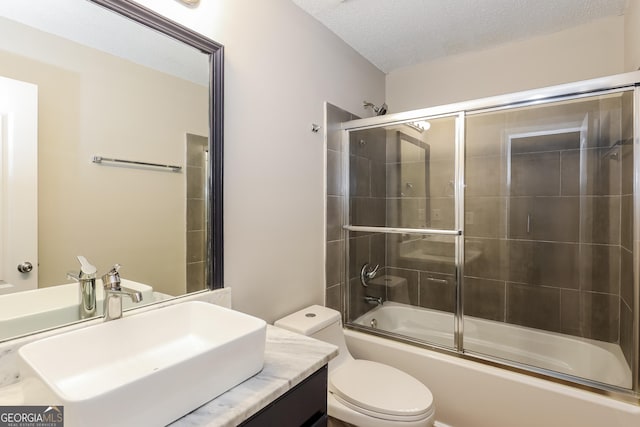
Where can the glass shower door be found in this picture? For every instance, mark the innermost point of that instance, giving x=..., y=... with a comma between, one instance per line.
x=548, y=276
x=402, y=233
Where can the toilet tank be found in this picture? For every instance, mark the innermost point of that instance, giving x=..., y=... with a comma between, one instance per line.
x=321, y=323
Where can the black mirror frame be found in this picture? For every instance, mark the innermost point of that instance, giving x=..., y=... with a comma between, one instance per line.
x=153, y=20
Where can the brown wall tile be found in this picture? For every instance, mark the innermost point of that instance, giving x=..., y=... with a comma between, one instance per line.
x=335, y=263
x=195, y=214
x=334, y=173
x=599, y=316
x=196, y=276
x=544, y=218
x=368, y=211
x=543, y=263
x=535, y=174
x=486, y=258
x=359, y=177
x=441, y=175
x=570, y=312
x=626, y=276
x=334, y=218
x=437, y=291
x=626, y=332
x=626, y=222
x=400, y=295
x=533, y=306
x=359, y=254
x=196, y=242
x=602, y=173
x=485, y=176
x=485, y=217
x=334, y=297
x=600, y=216
x=484, y=298
x=600, y=268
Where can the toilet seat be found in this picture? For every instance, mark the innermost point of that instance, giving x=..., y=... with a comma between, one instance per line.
x=380, y=391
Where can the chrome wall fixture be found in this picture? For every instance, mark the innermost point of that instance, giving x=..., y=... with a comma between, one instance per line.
x=100, y=159
x=380, y=111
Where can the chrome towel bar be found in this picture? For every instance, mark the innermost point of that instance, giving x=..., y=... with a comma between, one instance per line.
x=100, y=159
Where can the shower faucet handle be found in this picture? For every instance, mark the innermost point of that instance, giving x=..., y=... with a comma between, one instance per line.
x=367, y=273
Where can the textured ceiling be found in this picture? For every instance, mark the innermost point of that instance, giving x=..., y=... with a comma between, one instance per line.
x=397, y=33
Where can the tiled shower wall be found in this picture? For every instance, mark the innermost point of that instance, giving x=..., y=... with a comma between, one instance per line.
x=626, y=232
x=552, y=242
x=369, y=201
x=335, y=286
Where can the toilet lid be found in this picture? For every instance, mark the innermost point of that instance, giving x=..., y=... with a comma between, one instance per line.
x=380, y=388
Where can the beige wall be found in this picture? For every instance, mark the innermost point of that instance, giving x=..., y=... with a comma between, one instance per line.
x=280, y=66
x=632, y=36
x=584, y=52
x=91, y=104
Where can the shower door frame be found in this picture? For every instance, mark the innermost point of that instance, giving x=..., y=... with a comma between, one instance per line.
x=600, y=86
x=458, y=228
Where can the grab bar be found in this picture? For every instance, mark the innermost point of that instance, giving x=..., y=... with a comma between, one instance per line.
x=100, y=159
x=395, y=230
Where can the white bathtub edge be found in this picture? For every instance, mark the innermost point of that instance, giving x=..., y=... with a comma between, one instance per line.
x=493, y=396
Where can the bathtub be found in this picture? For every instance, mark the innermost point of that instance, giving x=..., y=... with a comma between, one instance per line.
x=472, y=394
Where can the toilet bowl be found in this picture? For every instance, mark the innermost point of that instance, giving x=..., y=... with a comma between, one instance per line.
x=362, y=392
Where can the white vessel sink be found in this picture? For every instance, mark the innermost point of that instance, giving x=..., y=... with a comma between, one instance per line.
x=146, y=369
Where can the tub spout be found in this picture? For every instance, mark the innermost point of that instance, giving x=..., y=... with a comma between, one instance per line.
x=373, y=300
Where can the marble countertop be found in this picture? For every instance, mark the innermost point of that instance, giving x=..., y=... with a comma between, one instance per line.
x=289, y=359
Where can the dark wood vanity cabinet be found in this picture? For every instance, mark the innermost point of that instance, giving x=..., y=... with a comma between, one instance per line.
x=304, y=405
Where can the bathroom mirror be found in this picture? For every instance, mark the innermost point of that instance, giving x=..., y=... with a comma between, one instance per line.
x=127, y=111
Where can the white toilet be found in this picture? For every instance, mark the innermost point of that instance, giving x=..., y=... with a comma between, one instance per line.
x=362, y=392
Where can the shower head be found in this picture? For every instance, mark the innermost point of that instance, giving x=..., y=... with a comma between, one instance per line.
x=380, y=111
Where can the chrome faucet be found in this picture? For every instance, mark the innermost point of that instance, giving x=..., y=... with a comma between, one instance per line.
x=113, y=293
x=86, y=277
x=373, y=300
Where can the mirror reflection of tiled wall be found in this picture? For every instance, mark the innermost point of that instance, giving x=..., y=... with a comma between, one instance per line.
x=197, y=161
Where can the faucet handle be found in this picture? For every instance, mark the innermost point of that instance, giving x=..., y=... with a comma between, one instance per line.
x=372, y=273
x=367, y=273
x=86, y=268
x=111, y=280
